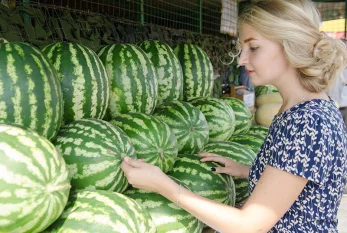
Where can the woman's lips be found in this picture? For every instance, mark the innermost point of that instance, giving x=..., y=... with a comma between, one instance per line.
x=250, y=72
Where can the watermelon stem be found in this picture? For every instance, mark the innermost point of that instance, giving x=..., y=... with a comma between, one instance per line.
x=161, y=154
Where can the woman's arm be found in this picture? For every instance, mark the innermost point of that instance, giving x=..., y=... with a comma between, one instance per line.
x=274, y=194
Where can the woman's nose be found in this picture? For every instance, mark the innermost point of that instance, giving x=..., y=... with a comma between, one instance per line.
x=242, y=59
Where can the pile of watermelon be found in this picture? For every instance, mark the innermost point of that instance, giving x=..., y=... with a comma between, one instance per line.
x=68, y=116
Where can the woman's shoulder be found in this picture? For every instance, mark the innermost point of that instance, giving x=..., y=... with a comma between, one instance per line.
x=318, y=115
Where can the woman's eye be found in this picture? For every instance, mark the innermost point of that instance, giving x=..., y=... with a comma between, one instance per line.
x=253, y=48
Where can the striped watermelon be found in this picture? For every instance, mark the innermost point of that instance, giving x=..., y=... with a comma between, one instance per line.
x=219, y=115
x=261, y=90
x=102, y=211
x=133, y=81
x=83, y=79
x=34, y=182
x=167, y=68
x=187, y=122
x=153, y=140
x=238, y=153
x=199, y=178
x=252, y=141
x=243, y=116
x=259, y=130
x=197, y=71
x=166, y=215
x=30, y=93
x=93, y=150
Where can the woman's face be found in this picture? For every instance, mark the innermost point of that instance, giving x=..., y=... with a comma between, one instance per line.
x=264, y=59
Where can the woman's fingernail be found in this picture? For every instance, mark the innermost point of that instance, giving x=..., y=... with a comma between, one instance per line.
x=126, y=159
x=213, y=169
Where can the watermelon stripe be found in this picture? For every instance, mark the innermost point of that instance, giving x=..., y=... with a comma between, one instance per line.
x=83, y=78
x=219, y=115
x=132, y=79
x=168, y=70
x=243, y=116
x=201, y=180
x=238, y=153
x=32, y=79
x=188, y=124
x=104, y=211
x=34, y=181
x=252, y=141
x=100, y=88
x=93, y=150
x=167, y=216
x=153, y=139
x=197, y=71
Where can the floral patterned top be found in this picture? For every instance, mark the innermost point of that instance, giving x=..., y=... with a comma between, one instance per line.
x=308, y=140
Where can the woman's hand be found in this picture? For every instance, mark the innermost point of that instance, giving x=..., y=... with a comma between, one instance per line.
x=231, y=167
x=143, y=175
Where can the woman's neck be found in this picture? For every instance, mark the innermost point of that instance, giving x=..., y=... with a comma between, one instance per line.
x=293, y=93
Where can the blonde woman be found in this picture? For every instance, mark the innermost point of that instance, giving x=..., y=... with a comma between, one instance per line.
x=297, y=179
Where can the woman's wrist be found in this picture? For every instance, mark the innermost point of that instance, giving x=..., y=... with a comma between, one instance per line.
x=245, y=172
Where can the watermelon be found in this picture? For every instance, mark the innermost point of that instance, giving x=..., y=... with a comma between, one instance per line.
x=219, y=115
x=93, y=150
x=252, y=141
x=102, y=211
x=199, y=178
x=34, y=181
x=134, y=86
x=259, y=130
x=261, y=90
x=83, y=78
x=243, y=116
x=238, y=153
x=153, y=140
x=197, y=69
x=187, y=122
x=166, y=215
x=30, y=93
x=167, y=68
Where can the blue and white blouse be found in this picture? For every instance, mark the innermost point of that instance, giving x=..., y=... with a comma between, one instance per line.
x=308, y=140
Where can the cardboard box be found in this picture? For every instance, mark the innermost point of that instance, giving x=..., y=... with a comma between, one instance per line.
x=241, y=93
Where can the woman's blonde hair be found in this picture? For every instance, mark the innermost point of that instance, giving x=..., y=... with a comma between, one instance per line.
x=295, y=24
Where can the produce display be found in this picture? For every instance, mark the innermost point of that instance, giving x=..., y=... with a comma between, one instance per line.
x=187, y=122
x=199, y=179
x=93, y=150
x=268, y=106
x=34, y=181
x=153, y=140
x=35, y=99
x=197, y=71
x=133, y=81
x=72, y=115
x=102, y=211
x=165, y=214
x=219, y=115
x=238, y=153
x=243, y=116
x=167, y=69
x=83, y=78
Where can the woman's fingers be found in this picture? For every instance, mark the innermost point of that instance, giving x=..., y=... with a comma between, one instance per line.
x=218, y=159
x=134, y=162
x=206, y=154
x=225, y=170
